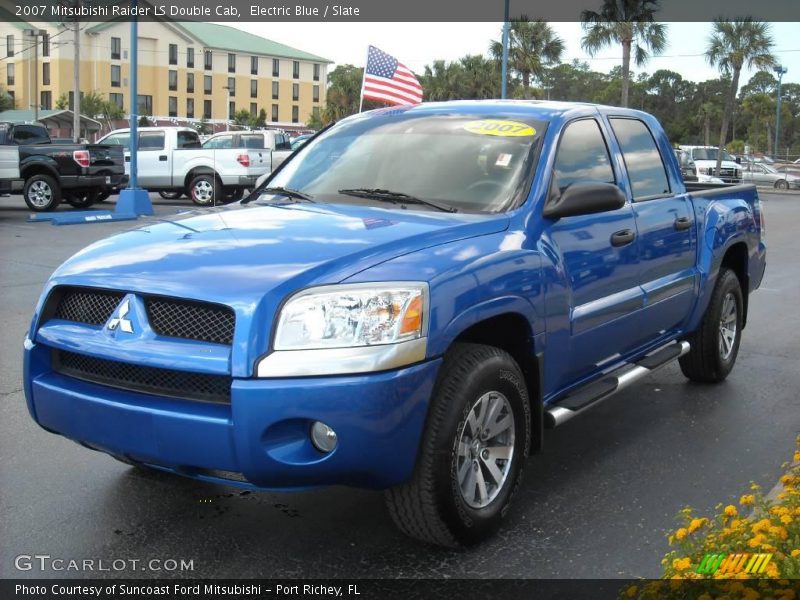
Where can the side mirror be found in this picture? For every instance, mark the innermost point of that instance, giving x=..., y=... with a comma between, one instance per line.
x=738, y=160
x=585, y=199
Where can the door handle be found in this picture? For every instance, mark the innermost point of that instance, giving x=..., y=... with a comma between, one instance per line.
x=163, y=158
x=127, y=159
x=682, y=223
x=622, y=238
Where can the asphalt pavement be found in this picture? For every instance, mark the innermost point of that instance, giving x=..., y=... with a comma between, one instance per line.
x=597, y=503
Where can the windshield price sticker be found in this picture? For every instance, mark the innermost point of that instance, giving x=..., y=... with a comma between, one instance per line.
x=500, y=128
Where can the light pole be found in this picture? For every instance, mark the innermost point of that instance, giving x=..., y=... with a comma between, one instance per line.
x=780, y=70
x=228, y=109
x=504, y=68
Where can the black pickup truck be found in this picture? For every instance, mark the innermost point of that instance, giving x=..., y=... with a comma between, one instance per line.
x=79, y=174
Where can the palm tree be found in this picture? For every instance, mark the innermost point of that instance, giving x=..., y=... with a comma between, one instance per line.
x=532, y=47
x=630, y=23
x=731, y=46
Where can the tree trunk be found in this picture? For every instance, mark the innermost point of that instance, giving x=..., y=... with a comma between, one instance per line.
x=526, y=82
x=707, y=130
x=726, y=118
x=626, y=70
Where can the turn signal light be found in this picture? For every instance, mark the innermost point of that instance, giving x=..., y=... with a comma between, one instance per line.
x=412, y=320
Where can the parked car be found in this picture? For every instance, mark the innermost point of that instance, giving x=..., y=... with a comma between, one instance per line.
x=77, y=173
x=275, y=141
x=705, y=160
x=687, y=166
x=300, y=140
x=767, y=175
x=416, y=294
x=171, y=159
x=10, y=180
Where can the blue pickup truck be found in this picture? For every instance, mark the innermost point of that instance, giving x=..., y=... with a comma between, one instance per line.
x=404, y=305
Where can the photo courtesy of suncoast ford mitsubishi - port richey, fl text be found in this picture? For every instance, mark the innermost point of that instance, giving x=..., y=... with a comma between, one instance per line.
x=399, y=300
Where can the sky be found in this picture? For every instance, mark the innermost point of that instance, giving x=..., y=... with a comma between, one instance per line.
x=418, y=44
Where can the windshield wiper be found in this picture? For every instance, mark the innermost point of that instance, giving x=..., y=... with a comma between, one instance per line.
x=395, y=198
x=281, y=191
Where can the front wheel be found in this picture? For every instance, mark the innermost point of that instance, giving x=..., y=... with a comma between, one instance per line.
x=205, y=190
x=476, y=439
x=170, y=195
x=715, y=345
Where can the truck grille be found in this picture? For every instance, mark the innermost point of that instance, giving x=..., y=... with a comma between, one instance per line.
x=190, y=320
x=138, y=378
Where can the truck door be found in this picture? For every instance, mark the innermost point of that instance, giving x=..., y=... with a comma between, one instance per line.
x=665, y=225
x=597, y=255
x=155, y=167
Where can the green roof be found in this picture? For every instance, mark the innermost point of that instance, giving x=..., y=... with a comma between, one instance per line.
x=223, y=37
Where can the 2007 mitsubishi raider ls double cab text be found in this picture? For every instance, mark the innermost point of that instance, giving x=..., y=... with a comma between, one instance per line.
x=403, y=305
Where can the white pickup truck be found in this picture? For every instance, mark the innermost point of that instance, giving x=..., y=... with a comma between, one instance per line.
x=172, y=161
x=277, y=142
x=10, y=180
x=705, y=160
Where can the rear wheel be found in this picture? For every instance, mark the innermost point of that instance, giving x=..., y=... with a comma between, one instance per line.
x=204, y=189
x=170, y=195
x=232, y=195
x=42, y=193
x=780, y=184
x=715, y=345
x=81, y=199
x=103, y=196
x=475, y=443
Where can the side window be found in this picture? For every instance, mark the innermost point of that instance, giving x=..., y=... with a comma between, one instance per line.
x=253, y=141
x=582, y=155
x=220, y=142
x=646, y=170
x=30, y=134
x=188, y=139
x=282, y=142
x=118, y=139
x=151, y=140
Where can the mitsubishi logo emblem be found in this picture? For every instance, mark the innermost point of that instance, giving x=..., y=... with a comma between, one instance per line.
x=120, y=320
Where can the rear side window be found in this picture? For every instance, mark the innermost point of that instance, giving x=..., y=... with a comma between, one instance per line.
x=643, y=160
x=253, y=141
x=188, y=139
x=582, y=155
x=151, y=140
x=220, y=142
x=118, y=139
x=30, y=134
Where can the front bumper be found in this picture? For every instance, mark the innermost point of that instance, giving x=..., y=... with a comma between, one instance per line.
x=261, y=439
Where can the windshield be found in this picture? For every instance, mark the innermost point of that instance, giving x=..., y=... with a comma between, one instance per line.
x=769, y=169
x=462, y=162
x=709, y=154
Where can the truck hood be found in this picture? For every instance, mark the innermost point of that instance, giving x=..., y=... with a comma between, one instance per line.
x=240, y=254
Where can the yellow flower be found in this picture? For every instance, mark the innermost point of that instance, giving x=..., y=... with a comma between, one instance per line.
x=779, y=510
x=796, y=456
x=787, y=480
x=747, y=499
x=771, y=570
x=786, y=519
x=779, y=532
x=756, y=541
x=631, y=591
x=761, y=525
x=696, y=524
x=681, y=564
x=795, y=552
x=680, y=534
x=730, y=511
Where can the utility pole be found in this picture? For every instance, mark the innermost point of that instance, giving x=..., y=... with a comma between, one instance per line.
x=76, y=85
x=504, y=68
x=780, y=70
x=34, y=33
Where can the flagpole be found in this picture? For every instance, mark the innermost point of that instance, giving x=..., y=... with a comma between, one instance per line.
x=363, y=79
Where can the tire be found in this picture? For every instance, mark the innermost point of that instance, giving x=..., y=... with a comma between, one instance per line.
x=780, y=184
x=714, y=346
x=170, y=195
x=204, y=190
x=81, y=199
x=103, y=196
x=42, y=193
x=233, y=195
x=442, y=502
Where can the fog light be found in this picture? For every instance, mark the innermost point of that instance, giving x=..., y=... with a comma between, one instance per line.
x=323, y=437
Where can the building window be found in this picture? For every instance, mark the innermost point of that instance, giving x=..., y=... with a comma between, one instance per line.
x=190, y=108
x=206, y=109
x=116, y=99
x=295, y=114
x=10, y=74
x=9, y=45
x=274, y=90
x=173, y=106
x=253, y=109
x=190, y=83
x=115, y=76
x=316, y=72
x=296, y=69
x=116, y=48
x=276, y=67
x=295, y=91
x=232, y=86
x=207, y=85
x=315, y=93
x=190, y=58
x=253, y=65
x=46, y=102
x=208, y=60
x=45, y=73
x=254, y=88
x=173, y=81
x=173, y=54
x=274, y=112
x=46, y=44
x=144, y=105
x=231, y=63
x=231, y=110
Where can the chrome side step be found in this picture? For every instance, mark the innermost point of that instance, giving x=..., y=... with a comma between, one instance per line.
x=593, y=393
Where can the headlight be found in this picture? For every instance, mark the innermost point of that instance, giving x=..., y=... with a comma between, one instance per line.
x=352, y=315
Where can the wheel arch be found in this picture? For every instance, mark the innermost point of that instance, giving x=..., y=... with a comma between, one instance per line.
x=736, y=258
x=199, y=171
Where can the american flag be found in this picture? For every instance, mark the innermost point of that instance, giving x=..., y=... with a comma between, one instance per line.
x=388, y=80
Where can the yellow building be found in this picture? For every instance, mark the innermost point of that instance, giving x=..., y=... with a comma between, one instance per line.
x=187, y=70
